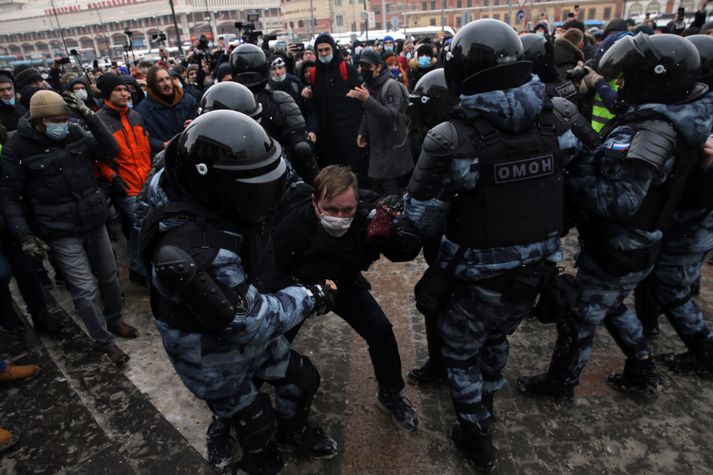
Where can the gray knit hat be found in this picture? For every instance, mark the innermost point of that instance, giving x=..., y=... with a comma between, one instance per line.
x=47, y=103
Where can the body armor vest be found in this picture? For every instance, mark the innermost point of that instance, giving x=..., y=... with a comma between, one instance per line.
x=518, y=198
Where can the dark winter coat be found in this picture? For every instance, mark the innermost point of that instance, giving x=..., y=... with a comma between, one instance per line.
x=566, y=56
x=338, y=114
x=293, y=86
x=162, y=122
x=10, y=115
x=385, y=128
x=55, y=181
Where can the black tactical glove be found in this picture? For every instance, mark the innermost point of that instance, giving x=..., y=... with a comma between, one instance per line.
x=79, y=107
x=119, y=187
x=323, y=298
x=33, y=246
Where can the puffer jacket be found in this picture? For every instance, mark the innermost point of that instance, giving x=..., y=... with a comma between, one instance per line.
x=133, y=162
x=54, y=181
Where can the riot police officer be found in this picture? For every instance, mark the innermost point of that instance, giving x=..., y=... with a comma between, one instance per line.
x=629, y=187
x=685, y=244
x=281, y=116
x=540, y=51
x=231, y=96
x=204, y=240
x=490, y=179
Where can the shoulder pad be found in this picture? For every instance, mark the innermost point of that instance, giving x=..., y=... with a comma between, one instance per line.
x=441, y=140
x=565, y=113
x=654, y=142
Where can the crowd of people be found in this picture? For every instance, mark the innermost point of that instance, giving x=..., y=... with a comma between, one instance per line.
x=255, y=186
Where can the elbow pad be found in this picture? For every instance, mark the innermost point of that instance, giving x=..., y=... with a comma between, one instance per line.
x=434, y=161
x=213, y=304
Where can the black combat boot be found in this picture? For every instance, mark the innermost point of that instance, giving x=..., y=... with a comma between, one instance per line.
x=431, y=373
x=220, y=444
x=266, y=461
x=545, y=385
x=647, y=310
x=698, y=360
x=477, y=446
x=306, y=439
x=638, y=375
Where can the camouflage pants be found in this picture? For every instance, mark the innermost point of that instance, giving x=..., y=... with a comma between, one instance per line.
x=474, y=329
x=672, y=280
x=602, y=300
x=223, y=373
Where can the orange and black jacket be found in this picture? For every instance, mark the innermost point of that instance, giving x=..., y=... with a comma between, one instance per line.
x=133, y=162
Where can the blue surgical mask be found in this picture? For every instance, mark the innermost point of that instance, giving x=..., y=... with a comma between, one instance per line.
x=326, y=59
x=9, y=102
x=394, y=72
x=424, y=61
x=388, y=48
x=57, y=130
x=130, y=105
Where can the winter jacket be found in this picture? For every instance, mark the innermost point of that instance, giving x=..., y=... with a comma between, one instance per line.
x=385, y=128
x=566, y=56
x=293, y=86
x=54, y=180
x=10, y=115
x=163, y=121
x=133, y=162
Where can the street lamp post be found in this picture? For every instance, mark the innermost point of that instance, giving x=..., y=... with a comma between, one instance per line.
x=175, y=25
x=130, y=47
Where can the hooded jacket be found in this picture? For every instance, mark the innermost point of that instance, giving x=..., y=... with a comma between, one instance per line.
x=567, y=55
x=54, y=180
x=133, y=162
x=163, y=121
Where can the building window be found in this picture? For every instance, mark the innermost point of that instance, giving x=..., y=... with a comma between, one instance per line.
x=469, y=3
x=338, y=2
x=377, y=9
x=459, y=22
x=496, y=2
x=591, y=13
x=300, y=24
x=459, y=3
x=388, y=7
x=339, y=20
x=433, y=4
x=607, y=13
x=424, y=5
x=432, y=22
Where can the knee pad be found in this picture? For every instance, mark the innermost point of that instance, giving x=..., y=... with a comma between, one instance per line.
x=302, y=373
x=255, y=424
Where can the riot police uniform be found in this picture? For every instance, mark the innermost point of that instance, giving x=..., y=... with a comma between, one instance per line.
x=491, y=180
x=281, y=116
x=205, y=241
x=685, y=244
x=629, y=186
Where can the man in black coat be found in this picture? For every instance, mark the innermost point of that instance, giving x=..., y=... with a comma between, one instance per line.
x=339, y=115
x=10, y=110
x=321, y=233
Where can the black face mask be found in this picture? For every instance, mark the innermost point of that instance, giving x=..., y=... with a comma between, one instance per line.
x=369, y=77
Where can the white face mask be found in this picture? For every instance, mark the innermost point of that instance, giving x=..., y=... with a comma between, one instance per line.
x=279, y=77
x=81, y=94
x=334, y=226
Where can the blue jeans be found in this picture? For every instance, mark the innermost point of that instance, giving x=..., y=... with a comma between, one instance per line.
x=79, y=259
x=127, y=207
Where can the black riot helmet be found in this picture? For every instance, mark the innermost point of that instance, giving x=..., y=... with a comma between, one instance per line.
x=540, y=52
x=485, y=55
x=704, y=45
x=227, y=162
x=250, y=66
x=660, y=68
x=232, y=96
x=431, y=100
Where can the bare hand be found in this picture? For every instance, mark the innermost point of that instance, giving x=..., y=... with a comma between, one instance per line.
x=361, y=141
x=331, y=284
x=312, y=137
x=306, y=92
x=359, y=93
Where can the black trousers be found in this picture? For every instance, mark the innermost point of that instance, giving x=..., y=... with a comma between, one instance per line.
x=360, y=310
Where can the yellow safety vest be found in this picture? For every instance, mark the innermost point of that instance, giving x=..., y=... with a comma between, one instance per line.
x=600, y=113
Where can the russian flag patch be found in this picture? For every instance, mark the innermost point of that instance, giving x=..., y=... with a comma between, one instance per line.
x=620, y=147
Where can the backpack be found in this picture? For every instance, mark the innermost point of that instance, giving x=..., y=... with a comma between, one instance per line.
x=403, y=120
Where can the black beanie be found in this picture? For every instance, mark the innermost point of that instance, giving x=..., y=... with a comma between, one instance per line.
x=26, y=76
x=107, y=83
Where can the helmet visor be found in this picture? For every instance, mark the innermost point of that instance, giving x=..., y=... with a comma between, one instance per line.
x=624, y=54
x=253, y=198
